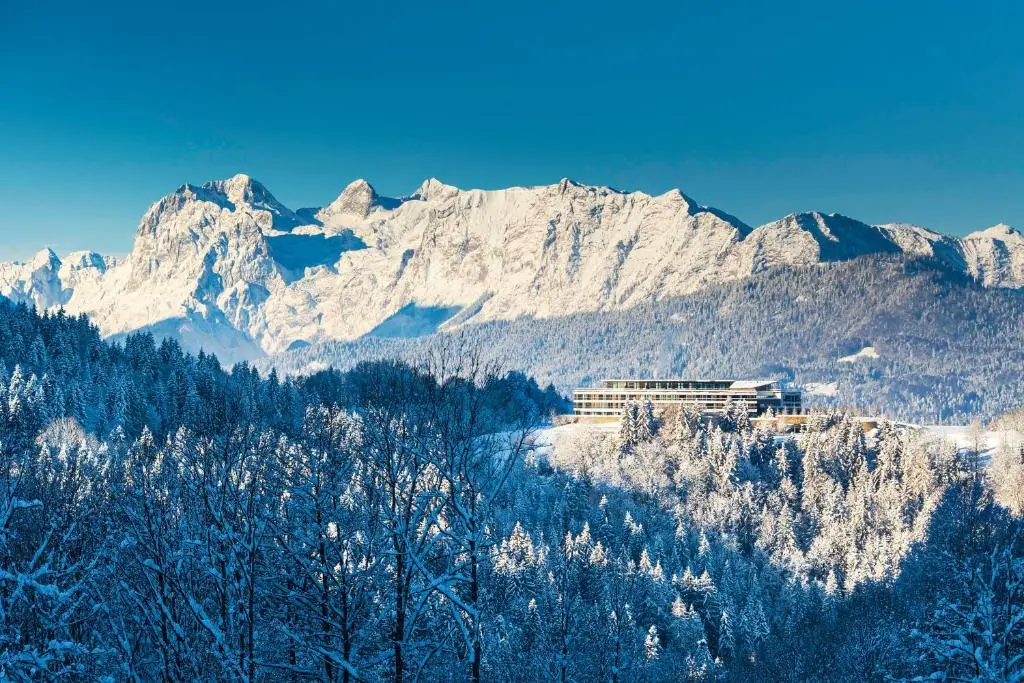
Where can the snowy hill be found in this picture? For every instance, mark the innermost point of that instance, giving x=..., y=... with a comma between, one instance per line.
x=226, y=266
x=927, y=346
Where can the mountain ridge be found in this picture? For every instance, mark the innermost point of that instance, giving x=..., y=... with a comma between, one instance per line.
x=228, y=253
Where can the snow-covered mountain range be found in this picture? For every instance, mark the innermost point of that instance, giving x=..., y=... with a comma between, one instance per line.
x=227, y=267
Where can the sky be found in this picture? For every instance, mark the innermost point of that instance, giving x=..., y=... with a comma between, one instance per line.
x=884, y=111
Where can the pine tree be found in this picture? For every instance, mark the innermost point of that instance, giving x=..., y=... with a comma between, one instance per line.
x=646, y=423
x=652, y=644
x=628, y=427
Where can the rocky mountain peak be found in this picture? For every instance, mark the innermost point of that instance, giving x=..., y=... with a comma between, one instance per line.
x=433, y=189
x=238, y=195
x=45, y=259
x=240, y=189
x=85, y=259
x=357, y=199
x=1000, y=231
x=262, y=275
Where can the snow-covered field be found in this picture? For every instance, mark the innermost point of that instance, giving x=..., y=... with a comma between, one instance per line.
x=821, y=388
x=867, y=353
x=550, y=436
x=967, y=437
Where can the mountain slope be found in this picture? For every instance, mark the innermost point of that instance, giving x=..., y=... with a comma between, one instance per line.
x=227, y=258
x=889, y=335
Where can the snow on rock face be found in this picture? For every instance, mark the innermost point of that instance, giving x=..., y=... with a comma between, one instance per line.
x=918, y=241
x=36, y=282
x=995, y=257
x=226, y=255
x=239, y=194
x=353, y=205
x=804, y=238
x=536, y=251
x=243, y=191
x=433, y=189
x=45, y=281
x=199, y=251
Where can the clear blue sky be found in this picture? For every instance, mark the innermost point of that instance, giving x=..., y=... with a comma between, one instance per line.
x=885, y=111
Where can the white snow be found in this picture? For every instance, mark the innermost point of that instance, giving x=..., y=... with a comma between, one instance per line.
x=868, y=352
x=961, y=436
x=996, y=256
x=821, y=388
x=547, y=438
x=968, y=437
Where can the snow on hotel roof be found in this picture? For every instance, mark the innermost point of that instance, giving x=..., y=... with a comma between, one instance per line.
x=751, y=383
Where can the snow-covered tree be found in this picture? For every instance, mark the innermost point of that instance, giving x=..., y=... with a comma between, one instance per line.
x=979, y=635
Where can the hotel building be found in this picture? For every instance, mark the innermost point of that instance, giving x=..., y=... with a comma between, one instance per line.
x=709, y=395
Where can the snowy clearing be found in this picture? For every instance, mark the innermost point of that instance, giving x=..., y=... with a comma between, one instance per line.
x=867, y=353
x=821, y=388
x=967, y=437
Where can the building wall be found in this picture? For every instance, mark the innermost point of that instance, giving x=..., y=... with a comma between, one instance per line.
x=711, y=396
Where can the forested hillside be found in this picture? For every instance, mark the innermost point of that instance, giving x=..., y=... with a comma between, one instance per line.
x=162, y=518
x=948, y=350
x=67, y=370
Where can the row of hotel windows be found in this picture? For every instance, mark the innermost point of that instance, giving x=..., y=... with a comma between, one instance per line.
x=752, y=405
x=603, y=403
x=668, y=384
x=616, y=408
x=666, y=396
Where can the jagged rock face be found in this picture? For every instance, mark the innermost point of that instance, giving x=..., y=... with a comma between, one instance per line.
x=46, y=281
x=353, y=204
x=996, y=256
x=199, y=250
x=228, y=256
x=815, y=237
x=536, y=251
x=917, y=241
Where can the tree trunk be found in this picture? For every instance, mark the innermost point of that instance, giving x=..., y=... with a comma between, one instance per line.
x=474, y=594
x=398, y=636
x=325, y=621
x=346, y=631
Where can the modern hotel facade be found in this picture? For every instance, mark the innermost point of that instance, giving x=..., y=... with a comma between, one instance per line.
x=710, y=395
